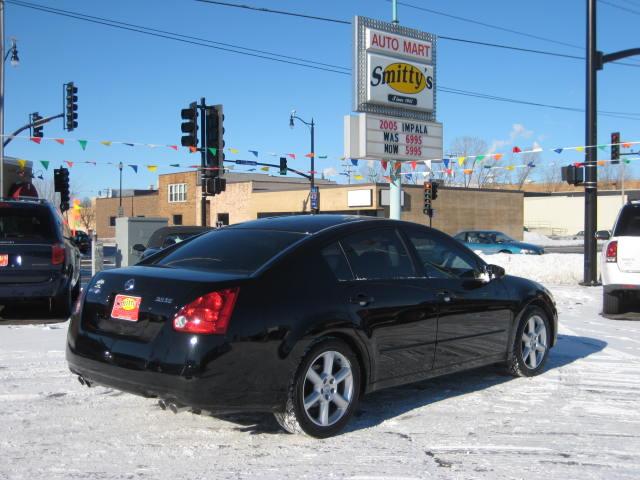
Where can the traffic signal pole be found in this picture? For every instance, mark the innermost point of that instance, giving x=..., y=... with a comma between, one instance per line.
x=395, y=185
x=203, y=162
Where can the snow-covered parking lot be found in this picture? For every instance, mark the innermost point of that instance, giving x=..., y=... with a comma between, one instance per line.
x=580, y=419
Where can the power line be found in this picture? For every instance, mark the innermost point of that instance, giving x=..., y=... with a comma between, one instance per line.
x=182, y=38
x=620, y=7
x=172, y=36
x=280, y=12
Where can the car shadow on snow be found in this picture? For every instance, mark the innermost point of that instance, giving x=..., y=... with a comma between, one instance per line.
x=386, y=404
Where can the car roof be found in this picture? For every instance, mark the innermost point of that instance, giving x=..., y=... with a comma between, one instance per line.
x=303, y=223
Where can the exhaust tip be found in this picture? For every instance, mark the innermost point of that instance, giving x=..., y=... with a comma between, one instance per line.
x=81, y=380
x=175, y=408
x=162, y=404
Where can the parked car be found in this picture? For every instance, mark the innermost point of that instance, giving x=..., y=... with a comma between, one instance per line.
x=620, y=261
x=165, y=237
x=489, y=241
x=38, y=258
x=82, y=241
x=302, y=315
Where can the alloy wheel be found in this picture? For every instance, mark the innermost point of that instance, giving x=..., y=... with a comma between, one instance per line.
x=328, y=388
x=534, y=342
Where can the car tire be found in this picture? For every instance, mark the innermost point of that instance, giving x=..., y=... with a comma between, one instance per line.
x=62, y=304
x=611, y=303
x=505, y=251
x=533, y=335
x=328, y=379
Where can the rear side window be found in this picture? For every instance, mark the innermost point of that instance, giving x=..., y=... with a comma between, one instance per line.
x=17, y=223
x=629, y=222
x=337, y=263
x=378, y=254
x=228, y=250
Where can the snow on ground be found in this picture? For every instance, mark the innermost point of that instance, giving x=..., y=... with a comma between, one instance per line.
x=544, y=241
x=550, y=268
x=580, y=419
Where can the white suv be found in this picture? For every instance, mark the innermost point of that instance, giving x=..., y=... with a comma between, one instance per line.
x=620, y=261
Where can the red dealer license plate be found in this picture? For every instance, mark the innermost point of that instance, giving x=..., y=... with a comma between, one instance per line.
x=126, y=307
x=4, y=260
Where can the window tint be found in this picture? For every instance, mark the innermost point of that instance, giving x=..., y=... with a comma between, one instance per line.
x=377, y=254
x=337, y=263
x=28, y=223
x=228, y=250
x=442, y=258
x=481, y=237
x=629, y=222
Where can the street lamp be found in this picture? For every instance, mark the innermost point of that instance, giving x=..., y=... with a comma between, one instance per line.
x=120, y=211
x=311, y=125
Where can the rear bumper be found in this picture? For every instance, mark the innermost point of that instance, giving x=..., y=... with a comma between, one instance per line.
x=617, y=287
x=15, y=292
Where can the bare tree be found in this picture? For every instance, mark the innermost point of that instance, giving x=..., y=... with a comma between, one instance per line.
x=527, y=161
x=469, y=172
x=87, y=214
x=550, y=177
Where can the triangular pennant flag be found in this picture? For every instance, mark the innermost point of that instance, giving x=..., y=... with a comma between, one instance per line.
x=358, y=177
x=22, y=163
x=354, y=162
x=36, y=140
x=509, y=167
x=480, y=157
x=83, y=144
x=59, y=140
x=558, y=150
x=193, y=149
x=45, y=164
x=578, y=164
x=530, y=165
x=70, y=164
x=174, y=147
x=310, y=155
x=388, y=179
x=601, y=163
x=291, y=155
x=91, y=162
x=384, y=165
x=106, y=143
x=489, y=167
x=579, y=149
x=468, y=171
x=264, y=169
x=445, y=162
x=152, y=168
x=461, y=160
x=398, y=166
x=129, y=144
x=498, y=156
x=602, y=147
x=536, y=150
x=175, y=165
x=235, y=151
x=516, y=150
x=413, y=164
x=626, y=145
x=409, y=177
x=322, y=156
x=213, y=150
x=255, y=153
x=134, y=168
x=627, y=161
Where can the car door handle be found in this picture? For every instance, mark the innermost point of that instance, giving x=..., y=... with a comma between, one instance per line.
x=361, y=299
x=446, y=296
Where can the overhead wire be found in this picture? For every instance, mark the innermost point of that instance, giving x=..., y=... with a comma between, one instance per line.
x=335, y=68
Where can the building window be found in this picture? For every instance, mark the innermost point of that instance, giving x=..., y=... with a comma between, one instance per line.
x=223, y=218
x=177, y=219
x=112, y=221
x=177, y=192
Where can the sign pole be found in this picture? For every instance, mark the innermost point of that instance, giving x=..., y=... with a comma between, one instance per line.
x=395, y=185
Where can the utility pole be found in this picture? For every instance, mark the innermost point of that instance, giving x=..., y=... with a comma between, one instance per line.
x=2, y=98
x=395, y=185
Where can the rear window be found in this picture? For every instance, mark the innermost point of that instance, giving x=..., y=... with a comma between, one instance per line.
x=17, y=223
x=229, y=250
x=629, y=222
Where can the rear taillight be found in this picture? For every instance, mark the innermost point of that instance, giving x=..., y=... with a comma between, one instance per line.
x=612, y=251
x=57, y=254
x=208, y=314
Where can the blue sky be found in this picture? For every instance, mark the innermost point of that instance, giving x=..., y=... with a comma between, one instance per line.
x=132, y=86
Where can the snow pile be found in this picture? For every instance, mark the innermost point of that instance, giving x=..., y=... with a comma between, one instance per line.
x=549, y=269
x=544, y=241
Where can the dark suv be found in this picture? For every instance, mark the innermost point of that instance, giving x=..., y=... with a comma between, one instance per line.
x=38, y=258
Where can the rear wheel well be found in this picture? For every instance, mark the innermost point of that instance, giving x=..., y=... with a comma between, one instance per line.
x=353, y=345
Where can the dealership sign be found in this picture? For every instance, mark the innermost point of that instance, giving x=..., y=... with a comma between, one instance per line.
x=379, y=137
x=394, y=70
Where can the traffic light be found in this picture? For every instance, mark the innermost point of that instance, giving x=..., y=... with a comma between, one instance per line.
x=573, y=175
x=214, y=132
x=190, y=125
x=71, y=106
x=61, y=184
x=215, y=186
x=427, y=196
x=615, y=147
x=36, y=130
x=434, y=190
x=283, y=165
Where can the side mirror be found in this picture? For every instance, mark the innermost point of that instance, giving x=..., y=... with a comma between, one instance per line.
x=138, y=247
x=495, y=271
x=603, y=235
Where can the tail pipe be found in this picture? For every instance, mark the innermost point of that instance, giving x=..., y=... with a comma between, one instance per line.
x=84, y=382
x=175, y=408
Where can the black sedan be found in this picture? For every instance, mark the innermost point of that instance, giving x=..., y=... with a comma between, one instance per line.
x=300, y=316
